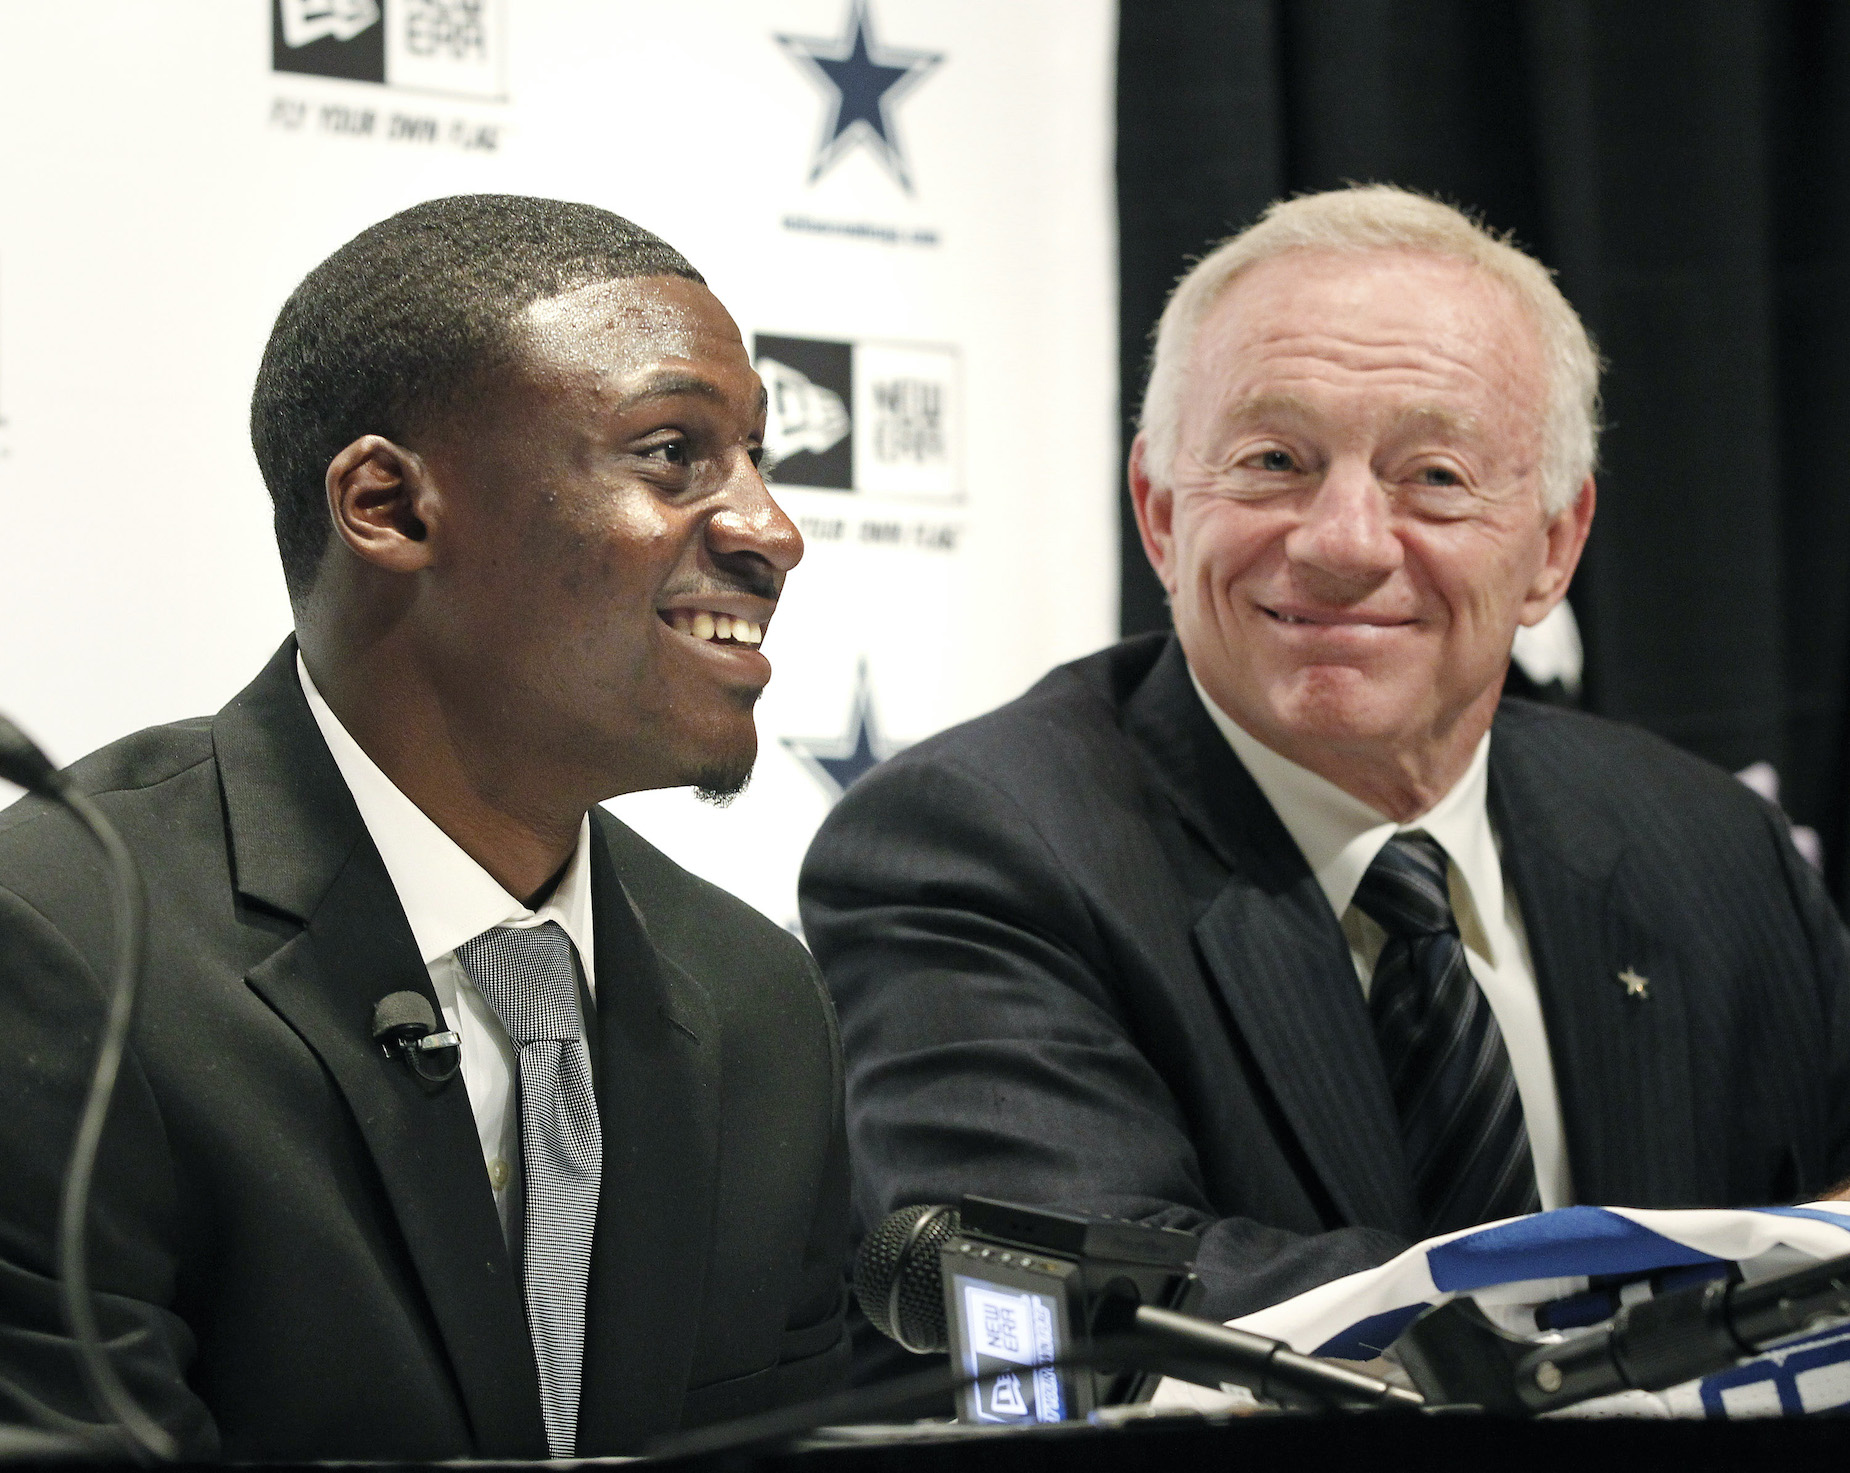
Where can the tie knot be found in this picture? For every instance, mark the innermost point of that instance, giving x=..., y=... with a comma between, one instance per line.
x=1404, y=891
x=526, y=974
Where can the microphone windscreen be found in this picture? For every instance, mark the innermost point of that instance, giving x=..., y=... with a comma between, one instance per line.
x=897, y=1279
x=403, y=1014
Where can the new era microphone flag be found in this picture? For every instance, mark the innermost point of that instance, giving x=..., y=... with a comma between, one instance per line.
x=1574, y=1267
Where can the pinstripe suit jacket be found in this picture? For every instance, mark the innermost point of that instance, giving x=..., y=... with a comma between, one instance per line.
x=1079, y=960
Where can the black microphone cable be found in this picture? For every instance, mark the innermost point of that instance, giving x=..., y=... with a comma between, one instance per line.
x=23, y=763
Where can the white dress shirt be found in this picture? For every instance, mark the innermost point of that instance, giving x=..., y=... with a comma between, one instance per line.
x=449, y=899
x=1340, y=836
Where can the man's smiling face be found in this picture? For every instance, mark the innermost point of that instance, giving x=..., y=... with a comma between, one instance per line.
x=1354, y=526
x=611, y=555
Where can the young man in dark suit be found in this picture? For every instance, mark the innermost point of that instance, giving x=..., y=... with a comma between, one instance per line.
x=513, y=448
x=1282, y=929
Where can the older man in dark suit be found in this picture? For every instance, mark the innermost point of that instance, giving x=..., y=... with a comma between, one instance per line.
x=1284, y=929
x=513, y=448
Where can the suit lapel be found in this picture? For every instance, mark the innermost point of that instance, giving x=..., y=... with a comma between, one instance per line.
x=1283, y=965
x=1621, y=1060
x=658, y=1091
x=300, y=848
x=1280, y=960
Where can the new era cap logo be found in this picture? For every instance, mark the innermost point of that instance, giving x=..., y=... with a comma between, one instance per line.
x=308, y=21
x=882, y=418
x=803, y=417
x=445, y=47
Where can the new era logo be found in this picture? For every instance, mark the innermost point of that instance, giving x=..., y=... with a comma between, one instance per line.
x=307, y=21
x=445, y=46
x=877, y=417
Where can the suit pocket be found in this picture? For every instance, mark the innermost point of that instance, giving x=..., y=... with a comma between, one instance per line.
x=812, y=1362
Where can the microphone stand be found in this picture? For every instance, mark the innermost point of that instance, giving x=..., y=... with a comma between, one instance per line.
x=1456, y=1354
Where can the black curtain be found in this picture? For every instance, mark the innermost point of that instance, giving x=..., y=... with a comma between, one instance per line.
x=1684, y=165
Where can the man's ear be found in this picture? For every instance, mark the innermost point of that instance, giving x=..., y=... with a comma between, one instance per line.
x=1567, y=538
x=1155, y=507
x=384, y=504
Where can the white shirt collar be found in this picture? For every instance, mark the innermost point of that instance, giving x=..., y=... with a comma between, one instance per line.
x=448, y=898
x=1340, y=835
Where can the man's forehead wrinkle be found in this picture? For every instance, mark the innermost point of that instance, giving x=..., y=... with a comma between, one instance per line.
x=1325, y=350
x=1415, y=394
x=1369, y=311
x=1242, y=405
x=1403, y=416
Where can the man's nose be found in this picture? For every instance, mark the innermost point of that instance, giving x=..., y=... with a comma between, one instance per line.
x=750, y=522
x=1347, y=531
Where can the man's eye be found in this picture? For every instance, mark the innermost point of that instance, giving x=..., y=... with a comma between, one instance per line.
x=1274, y=460
x=1438, y=475
x=674, y=452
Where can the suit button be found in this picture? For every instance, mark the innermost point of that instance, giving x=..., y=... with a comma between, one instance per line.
x=498, y=1174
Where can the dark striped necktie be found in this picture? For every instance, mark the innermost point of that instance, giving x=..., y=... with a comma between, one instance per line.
x=528, y=979
x=1460, y=1115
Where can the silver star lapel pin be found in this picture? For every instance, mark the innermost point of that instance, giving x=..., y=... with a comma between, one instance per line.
x=1635, y=985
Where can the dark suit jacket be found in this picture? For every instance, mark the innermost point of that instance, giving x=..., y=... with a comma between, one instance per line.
x=1078, y=960
x=296, y=1241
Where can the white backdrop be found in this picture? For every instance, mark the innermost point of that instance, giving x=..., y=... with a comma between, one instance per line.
x=911, y=196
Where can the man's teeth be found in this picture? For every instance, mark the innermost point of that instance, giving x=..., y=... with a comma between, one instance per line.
x=720, y=628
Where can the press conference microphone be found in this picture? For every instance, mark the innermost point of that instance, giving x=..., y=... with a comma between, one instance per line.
x=899, y=1284
x=898, y=1280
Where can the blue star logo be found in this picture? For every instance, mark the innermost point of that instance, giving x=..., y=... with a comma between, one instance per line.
x=837, y=761
x=863, y=80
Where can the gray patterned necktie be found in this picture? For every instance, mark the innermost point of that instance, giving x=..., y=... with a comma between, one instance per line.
x=1460, y=1114
x=528, y=979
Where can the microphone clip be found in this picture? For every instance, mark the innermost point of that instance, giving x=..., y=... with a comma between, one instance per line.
x=405, y=1027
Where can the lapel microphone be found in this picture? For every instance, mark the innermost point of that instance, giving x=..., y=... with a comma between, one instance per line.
x=405, y=1027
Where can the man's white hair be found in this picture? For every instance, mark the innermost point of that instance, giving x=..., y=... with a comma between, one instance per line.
x=1382, y=217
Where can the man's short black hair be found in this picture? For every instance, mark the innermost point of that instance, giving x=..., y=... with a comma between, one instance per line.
x=406, y=316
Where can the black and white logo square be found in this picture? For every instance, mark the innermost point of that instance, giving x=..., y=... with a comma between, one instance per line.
x=882, y=418
x=453, y=47
x=809, y=425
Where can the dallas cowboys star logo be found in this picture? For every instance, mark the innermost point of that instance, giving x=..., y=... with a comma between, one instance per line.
x=837, y=761
x=864, y=80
